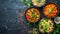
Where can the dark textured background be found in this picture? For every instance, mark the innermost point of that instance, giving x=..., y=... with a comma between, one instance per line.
x=12, y=19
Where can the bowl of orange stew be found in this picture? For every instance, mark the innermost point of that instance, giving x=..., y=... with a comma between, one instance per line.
x=32, y=14
x=50, y=10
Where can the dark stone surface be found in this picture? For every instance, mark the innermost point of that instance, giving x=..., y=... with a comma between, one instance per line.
x=9, y=17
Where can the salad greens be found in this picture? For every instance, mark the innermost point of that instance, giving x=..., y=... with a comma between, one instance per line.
x=57, y=29
x=44, y=24
x=26, y=2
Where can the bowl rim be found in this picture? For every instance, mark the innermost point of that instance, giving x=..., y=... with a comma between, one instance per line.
x=54, y=4
x=35, y=8
x=52, y=22
x=41, y=5
x=56, y=21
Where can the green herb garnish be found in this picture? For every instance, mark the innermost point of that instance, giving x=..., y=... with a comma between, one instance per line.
x=50, y=10
x=57, y=29
x=33, y=15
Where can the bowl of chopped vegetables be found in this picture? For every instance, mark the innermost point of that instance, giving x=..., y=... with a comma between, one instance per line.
x=32, y=14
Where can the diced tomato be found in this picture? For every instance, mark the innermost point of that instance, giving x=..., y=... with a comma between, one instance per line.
x=28, y=17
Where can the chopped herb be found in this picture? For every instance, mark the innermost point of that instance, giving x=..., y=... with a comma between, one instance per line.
x=50, y=10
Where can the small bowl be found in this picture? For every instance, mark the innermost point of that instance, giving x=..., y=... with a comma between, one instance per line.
x=57, y=20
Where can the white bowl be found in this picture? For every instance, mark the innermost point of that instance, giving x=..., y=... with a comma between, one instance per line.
x=58, y=20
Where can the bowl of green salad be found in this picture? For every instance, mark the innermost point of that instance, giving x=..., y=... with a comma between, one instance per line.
x=46, y=25
x=38, y=3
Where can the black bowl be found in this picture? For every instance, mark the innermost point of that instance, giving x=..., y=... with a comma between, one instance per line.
x=35, y=8
x=56, y=6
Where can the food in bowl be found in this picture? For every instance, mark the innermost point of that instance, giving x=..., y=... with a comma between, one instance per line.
x=33, y=31
x=32, y=14
x=57, y=20
x=50, y=10
x=46, y=25
x=38, y=3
